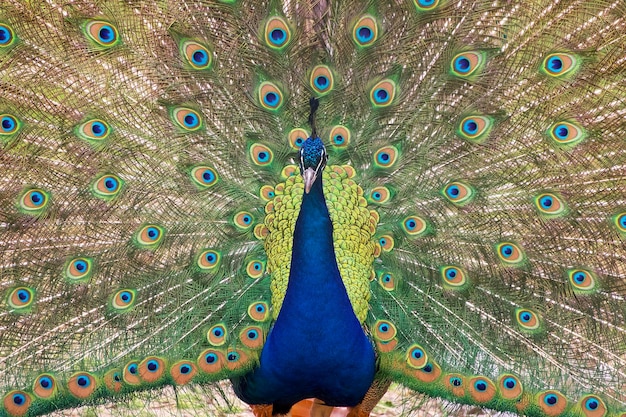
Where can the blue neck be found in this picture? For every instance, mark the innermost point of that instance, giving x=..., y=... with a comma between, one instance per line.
x=315, y=286
x=317, y=347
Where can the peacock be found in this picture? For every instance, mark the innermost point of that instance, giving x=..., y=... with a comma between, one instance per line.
x=313, y=200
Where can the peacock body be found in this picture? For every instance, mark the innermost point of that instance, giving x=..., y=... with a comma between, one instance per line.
x=176, y=210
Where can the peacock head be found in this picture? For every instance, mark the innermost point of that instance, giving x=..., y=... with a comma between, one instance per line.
x=313, y=159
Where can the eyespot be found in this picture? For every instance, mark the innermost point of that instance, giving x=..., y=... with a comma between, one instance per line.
x=107, y=186
x=481, y=389
x=261, y=155
x=466, y=64
x=384, y=330
x=454, y=383
x=475, y=128
x=132, y=368
x=183, y=372
x=151, y=369
x=387, y=281
x=149, y=236
x=270, y=97
x=9, y=124
x=386, y=242
x=510, y=387
x=113, y=380
x=566, y=134
x=204, y=176
x=550, y=205
x=258, y=311
x=243, y=220
x=252, y=337
x=426, y=5
x=339, y=136
x=510, y=253
x=592, y=406
x=211, y=361
x=82, y=385
x=386, y=157
x=7, y=36
x=458, y=193
x=383, y=93
x=454, y=278
x=79, y=270
x=297, y=138
x=17, y=403
x=286, y=172
x=527, y=320
x=34, y=201
x=559, y=64
x=620, y=222
x=255, y=269
x=321, y=80
x=45, y=386
x=267, y=193
x=365, y=31
x=429, y=373
x=583, y=281
x=277, y=33
x=131, y=373
x=379, y=195
x=416, y=357
x=236, y=359
x=217, y=335
x=196, y=55
x=123, y=300
x=414, y=226
x=101, y=33
x=94, y=130
x=187, y=119
x=209, y=259
x=21, y=299
x=553, y=403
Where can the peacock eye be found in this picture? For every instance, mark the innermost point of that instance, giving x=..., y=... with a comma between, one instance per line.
x=560, y=64
x=196, y=55
x=322, y=80
x=510, y=253
x=261, y=155
x=258, y=311
x=454, y=278
x=466, y=64
x=297, y=137
x=6, y=36
x=270, y=96
x=102, y=34
x=277, y=33
x=255, y=269
x=426, y=5
x=9, y=124
x=383, y=93
x=123, y=300
x=365, y=31
x=252, y=337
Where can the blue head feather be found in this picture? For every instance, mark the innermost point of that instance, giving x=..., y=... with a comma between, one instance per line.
x=312, y=152
x=313, y=159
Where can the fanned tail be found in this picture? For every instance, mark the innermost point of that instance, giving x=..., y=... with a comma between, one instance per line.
x=145, y=145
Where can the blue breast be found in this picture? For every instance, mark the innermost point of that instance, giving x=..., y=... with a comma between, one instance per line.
x=317, y=347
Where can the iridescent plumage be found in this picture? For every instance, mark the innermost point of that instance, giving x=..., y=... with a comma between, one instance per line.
x=176, y=210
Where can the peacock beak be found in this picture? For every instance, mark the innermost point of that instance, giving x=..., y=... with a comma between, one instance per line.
x=309, y=175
